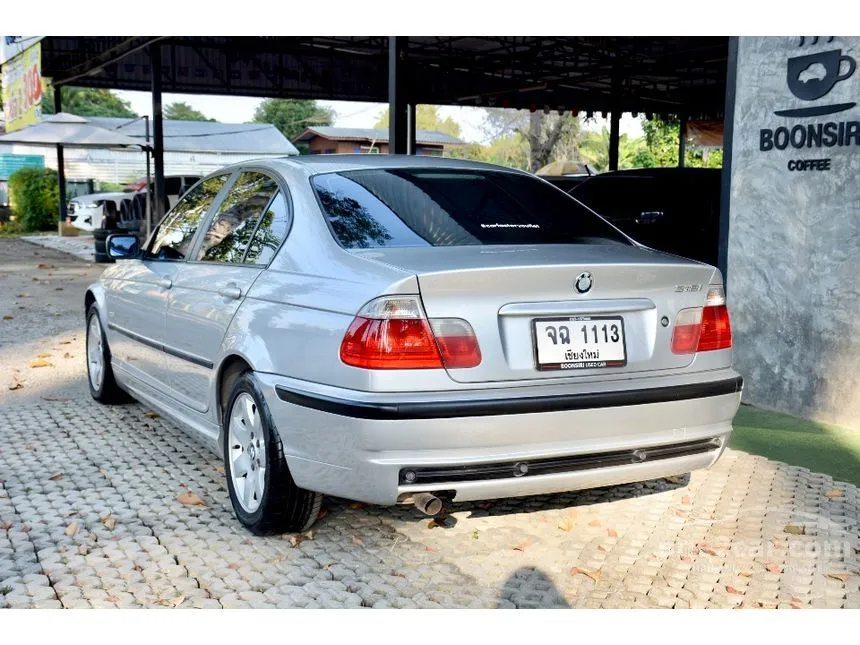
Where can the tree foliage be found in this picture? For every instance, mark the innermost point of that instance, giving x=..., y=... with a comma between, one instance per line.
x=34, y=195
x=595, y=150
x=85, y=101
x=291, y=117
x=545, y=137
x=181, y=111
x=661, y=151
x=427, y=118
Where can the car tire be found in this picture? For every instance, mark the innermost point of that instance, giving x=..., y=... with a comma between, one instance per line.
x=265, y=502
x=100, y=377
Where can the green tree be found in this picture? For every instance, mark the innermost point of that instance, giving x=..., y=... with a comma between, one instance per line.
x=427, y=118
x=85, y=101
x=34, y=196
x=544, y=137
x=595, y=150
x=291, y=117
x=181, y=111
x=662, y=139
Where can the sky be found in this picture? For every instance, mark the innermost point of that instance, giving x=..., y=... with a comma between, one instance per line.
x=235, y=109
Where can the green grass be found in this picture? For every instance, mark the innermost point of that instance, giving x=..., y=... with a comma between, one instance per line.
x=820, y=447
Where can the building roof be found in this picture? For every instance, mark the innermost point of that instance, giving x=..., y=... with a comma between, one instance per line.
x=380, y=135
x=207, y=136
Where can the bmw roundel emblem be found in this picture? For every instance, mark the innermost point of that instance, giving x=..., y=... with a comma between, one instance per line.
x=583, y=282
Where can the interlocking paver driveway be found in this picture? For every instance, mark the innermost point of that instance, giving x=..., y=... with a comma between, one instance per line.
x=89, y=517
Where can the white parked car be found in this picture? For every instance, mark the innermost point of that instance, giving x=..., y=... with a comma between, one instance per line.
x=87, y=211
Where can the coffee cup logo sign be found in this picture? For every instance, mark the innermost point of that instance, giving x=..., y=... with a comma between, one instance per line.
x=811, y=77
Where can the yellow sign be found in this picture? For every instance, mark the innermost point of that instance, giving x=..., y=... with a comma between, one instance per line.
x=22, y=88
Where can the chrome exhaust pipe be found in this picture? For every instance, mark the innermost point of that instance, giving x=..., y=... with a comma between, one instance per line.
x=427, y=503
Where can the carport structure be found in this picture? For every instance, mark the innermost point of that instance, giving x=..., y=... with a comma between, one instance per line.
x=677, y=77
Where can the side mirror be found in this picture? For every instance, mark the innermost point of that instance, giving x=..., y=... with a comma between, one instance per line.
x=123, y=247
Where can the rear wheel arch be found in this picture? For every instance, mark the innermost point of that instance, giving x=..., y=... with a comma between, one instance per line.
x=230, y=369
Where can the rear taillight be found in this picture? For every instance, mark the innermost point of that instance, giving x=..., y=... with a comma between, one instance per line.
x=392, y=333
x=703, y=329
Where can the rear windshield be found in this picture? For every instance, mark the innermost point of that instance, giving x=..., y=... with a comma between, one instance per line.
x=432, y=207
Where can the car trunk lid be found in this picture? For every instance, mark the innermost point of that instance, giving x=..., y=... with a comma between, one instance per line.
x=505, y=292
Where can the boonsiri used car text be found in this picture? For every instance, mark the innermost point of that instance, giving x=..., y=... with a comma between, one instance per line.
x=411, y=329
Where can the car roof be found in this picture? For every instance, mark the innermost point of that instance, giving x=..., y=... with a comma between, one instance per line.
x=319, y=164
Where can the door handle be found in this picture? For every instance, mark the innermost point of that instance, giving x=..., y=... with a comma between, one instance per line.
x=231, y=292
x=165, y=283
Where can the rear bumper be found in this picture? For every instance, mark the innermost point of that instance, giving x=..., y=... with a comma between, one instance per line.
x=474, y=444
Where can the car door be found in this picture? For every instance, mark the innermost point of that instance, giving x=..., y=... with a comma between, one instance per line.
x=136, y=294
x=239, y=241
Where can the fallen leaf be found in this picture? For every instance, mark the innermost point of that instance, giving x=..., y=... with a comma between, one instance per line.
x=40, y=362
x=190, y=499
x=296, y=539
x=58, y=288
x=109, y=521
x=177, y=601
x=357, y=506
x=566, y=524
x=680, y=513
x=23, y=295
x=220, y=469
x=56, y=477
x=687, y=558
x=476, y=534
x=834, y=492
x=734, y=590
x=6, y=525
x=767, y=604
x=65, y=342
x=113, y=599
x=675, y=479
x=594, y=575
x=612, y=533
x=594, y=523
x=704, y=548
x=8, y=317
x=744, y=573
x=323, y=512
x=233, y=565
x=432, y=549
x=685, y=499
x=773, y=567
x=309, y=535
x=72, y=529
x=84, y=549
x=522, y=546
x=600, y=547
x=67, y=355
x=357, y=540
x=16, y=385
x=795, y=530
x=152, y=415
x=432, y=524
x=56, y=398
x=842, y=577
x=796, y=603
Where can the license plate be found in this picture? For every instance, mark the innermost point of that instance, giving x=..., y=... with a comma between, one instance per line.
x=579, y=342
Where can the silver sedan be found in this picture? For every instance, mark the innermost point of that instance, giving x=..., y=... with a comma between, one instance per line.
x=411, y=330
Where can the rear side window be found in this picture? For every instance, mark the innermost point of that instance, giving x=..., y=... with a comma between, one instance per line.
x=175, y=234
x=233, y=227
x=441, y=207
x=270, y=233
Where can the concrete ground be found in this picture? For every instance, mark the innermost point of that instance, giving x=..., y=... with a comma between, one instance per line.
x=94, y=512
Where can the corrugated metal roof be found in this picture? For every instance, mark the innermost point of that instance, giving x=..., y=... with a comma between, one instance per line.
x=379, y=135
x=207, y=136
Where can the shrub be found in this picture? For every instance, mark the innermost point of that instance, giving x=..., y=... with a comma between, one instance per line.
x=34, y=195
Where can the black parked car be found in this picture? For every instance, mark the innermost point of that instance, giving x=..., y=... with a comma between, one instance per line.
x=676, y=210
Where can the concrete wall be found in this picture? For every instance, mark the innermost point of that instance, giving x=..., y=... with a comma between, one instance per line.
x=794, y=238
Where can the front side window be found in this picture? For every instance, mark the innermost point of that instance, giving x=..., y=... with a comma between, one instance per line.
x=176, y=233
x=231, y=229
x=446, y=207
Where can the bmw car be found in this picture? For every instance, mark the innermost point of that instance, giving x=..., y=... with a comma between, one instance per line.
x=398, y=329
